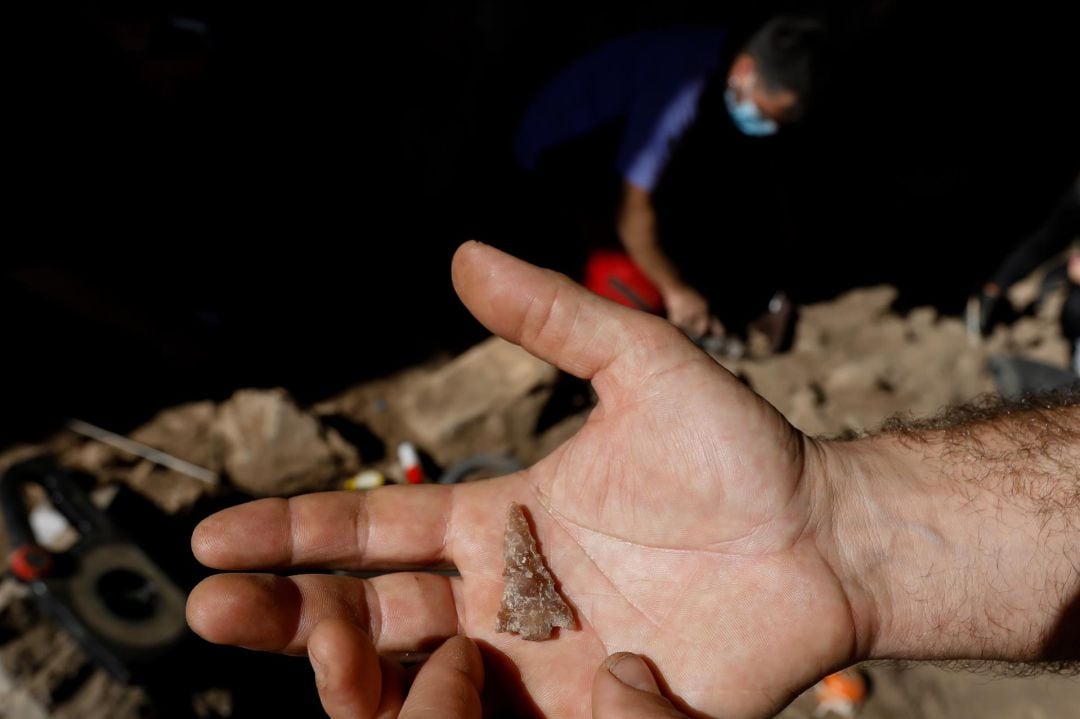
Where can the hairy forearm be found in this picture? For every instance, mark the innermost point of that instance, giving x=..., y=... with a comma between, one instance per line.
x=959, y=538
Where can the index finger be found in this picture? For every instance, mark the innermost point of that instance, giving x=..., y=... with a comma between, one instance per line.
x=382, y=529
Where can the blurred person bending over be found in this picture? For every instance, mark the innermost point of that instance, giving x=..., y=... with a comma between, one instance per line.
x=654, y=83
x=1053, y=237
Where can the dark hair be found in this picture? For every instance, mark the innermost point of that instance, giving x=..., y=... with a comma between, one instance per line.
x=790, y=55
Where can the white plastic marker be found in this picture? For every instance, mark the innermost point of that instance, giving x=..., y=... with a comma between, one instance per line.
x=410, y=463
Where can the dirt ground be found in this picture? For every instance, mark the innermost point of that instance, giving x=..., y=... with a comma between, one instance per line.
x=854, y=363
x=923, y=691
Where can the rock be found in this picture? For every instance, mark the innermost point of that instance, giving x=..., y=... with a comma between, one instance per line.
x=61, y=664
x=856, y=363
x=827, y=322
x=483, y=401
x=1025, y=292
x=1028, y=332
x=100, y=697
x=213, y=703
x=50, y=673
x=171, y=491
x=531, y=606
x=186, y=432
x=94, y=458
x=805, y=411
x=15, y=703
x=856, y=375
x=272, y=448
x=922, y=319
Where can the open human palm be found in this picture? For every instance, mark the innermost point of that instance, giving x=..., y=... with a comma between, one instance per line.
x=682, y=523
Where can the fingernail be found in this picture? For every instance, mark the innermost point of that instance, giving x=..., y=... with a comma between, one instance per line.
x=632, y=671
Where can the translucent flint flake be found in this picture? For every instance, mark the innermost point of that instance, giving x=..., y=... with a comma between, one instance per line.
x=531, y=607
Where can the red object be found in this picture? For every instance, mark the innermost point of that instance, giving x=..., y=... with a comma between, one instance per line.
x=409, y=459
x=30, y=562
x=414, y=474
x=614, y=275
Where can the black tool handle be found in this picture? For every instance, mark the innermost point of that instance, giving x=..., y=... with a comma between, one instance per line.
x=16, y=518
x=65, y=495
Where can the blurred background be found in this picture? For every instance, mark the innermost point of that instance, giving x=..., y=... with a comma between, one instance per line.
x=209, y=197
x=200, y=205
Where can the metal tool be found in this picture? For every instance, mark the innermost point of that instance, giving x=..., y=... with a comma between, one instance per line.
x=141, y=450
x=486, y=465
x=106, y=592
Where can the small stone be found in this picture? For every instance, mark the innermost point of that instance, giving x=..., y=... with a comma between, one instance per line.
x=531, y=606
x=486, y=400
x=272, y=448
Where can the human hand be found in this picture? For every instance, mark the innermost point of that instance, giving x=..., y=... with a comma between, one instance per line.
x=354, y=682
x=683, y=523
x=687, y=309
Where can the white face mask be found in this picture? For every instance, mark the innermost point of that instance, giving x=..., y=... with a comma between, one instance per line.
x=747, y=116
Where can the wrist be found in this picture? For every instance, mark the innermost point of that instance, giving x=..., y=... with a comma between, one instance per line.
x=850, y=517
x=936, y=563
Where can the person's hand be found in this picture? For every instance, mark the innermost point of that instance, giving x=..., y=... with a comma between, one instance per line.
x=624, y=688
x=687, y=522
x=688, y=310
x=450, y=683
x=354, y=682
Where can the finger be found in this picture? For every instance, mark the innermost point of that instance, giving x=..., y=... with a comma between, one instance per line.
x=552, y=317
x=347, y=671
x=401, y=612
x=449, y=684
x=383, y=528
x=716, y=327
x=624, y=686
x=353, y=681
x=393, y=694
x=699, y=323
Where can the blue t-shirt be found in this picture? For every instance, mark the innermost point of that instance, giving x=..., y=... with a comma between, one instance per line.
x=653, y=80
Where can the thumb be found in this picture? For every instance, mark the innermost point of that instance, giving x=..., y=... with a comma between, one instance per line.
x=552, y=317
x=625, y=688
